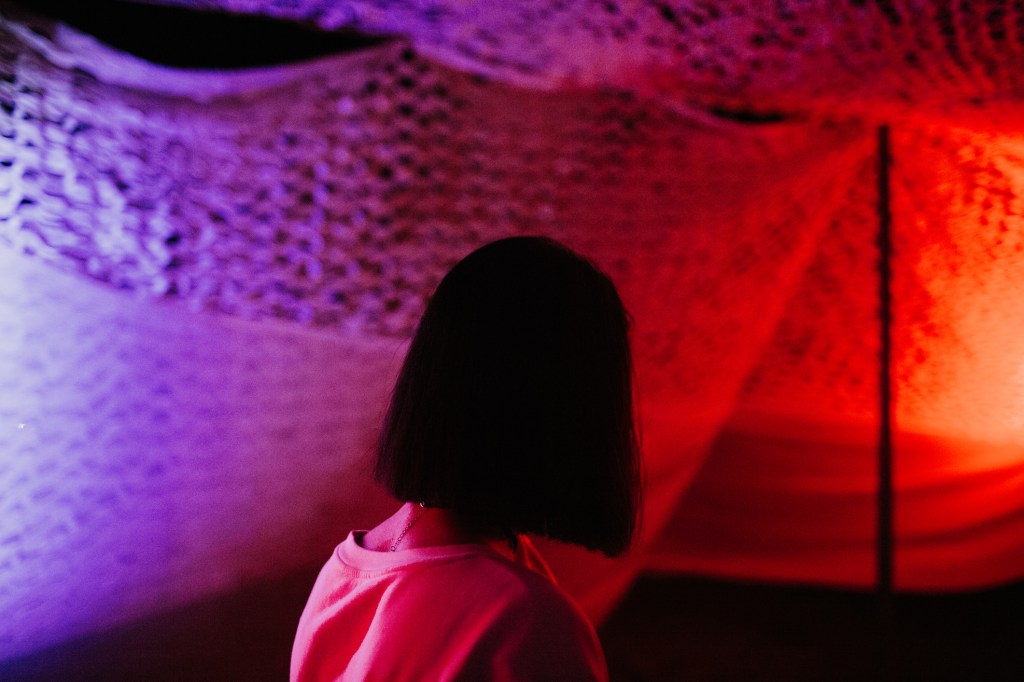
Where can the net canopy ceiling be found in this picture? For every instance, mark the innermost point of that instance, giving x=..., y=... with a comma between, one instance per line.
x=872, y=58
x=207, y=277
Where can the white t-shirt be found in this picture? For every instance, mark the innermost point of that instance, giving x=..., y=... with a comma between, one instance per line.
x=460, y=612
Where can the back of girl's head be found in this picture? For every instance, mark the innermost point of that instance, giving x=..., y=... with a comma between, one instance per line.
x=514, y=405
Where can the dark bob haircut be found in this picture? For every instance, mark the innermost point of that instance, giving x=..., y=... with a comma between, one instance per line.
x=514, y=406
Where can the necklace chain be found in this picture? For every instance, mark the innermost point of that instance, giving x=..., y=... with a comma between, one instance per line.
x=417, y=517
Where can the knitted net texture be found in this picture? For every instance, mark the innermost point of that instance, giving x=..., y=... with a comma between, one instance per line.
x=339, y=198
x=958, y=259
x=717, y=159
x=335, y=195
x=891, y=58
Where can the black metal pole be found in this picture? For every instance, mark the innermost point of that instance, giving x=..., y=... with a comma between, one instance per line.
x=885, y=529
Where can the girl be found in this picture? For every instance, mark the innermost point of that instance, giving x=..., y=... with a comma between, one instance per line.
x=512, y=414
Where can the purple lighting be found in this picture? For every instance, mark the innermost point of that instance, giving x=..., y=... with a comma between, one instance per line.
x=149, y=456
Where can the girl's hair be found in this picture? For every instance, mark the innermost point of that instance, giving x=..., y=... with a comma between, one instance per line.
x=514, y=406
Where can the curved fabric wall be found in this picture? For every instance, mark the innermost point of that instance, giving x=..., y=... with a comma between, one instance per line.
x=895, y=59
x=788, y=489
x=207, y=280
x=152, y=455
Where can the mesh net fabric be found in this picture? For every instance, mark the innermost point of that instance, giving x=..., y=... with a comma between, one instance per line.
x=717, y=161
x=954, y=60
x=797, y=454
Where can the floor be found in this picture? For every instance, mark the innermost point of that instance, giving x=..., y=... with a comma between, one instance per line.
x=692, y=629
x=668, y=628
